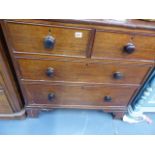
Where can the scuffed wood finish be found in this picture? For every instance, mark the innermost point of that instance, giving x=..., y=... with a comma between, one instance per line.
x=111, y=44
x=29, y=38
x=75, y=70
x=83, y=95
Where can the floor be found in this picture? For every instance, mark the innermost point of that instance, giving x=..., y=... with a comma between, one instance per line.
x=74, y=122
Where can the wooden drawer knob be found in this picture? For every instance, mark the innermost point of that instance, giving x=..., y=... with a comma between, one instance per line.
x=49, y=42
x=129, y=48
x=50, y=72
x=118, y=75
x=107, y=99
x=51, y=96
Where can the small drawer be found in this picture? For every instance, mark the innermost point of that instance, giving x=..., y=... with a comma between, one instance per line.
x=48, y=39
x=123, y=46
x=75, y=95
x=83, y=71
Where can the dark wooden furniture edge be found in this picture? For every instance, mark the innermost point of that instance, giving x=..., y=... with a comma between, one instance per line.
x=8, y=77
x=33, y=112
x=18, y=115
x=10, y=83
x=129, y=23
x=14, y=63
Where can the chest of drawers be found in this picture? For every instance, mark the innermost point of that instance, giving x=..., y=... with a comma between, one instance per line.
x=84, y=64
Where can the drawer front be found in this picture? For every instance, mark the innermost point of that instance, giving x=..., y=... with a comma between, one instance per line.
x=59, y=70
x=5, y=107
x=78, y=95
x=54, y=40
x=125, y=46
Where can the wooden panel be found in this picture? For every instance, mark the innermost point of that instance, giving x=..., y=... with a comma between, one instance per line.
x=110, y=45
x=1, y=80
x=4, y=104
x=78, y=95
x=29, y=38
x=7, y=80
x=83, y=71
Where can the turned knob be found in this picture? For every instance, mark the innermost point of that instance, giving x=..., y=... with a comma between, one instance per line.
x=129, y=48
x=50, y=71
x=51, y=96
x=118, y=75
x=107, y=98
x=49, y=42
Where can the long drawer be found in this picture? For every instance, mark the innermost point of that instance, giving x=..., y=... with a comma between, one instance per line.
x=122, y=45
x=73, y=94
x=85, y=71
x=48, y=39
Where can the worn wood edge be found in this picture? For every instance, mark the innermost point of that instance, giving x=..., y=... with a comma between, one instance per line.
x=34, y=112
x=90, y=43
x=104, y=60
x=47, y=25
x=17, y=115
x=47, y=54
x=130, y=23
x=106, y=23
x=123, y=59
x=10, y=84
x=78, y=84
x=15, y=63
x=10, y=88
x=104, y=108
x=128, y=33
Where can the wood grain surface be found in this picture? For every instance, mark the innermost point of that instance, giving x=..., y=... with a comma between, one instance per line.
x=70, y=94
x=110, y=45
x=30, y=38
x=75, y=71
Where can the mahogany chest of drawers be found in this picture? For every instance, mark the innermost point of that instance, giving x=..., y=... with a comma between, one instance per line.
x=84, y=64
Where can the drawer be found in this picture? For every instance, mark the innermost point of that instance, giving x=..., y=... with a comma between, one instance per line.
x=84, y=71
x=4, y=103
x=59, y=94
x=49, y=39
x=125, y=46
